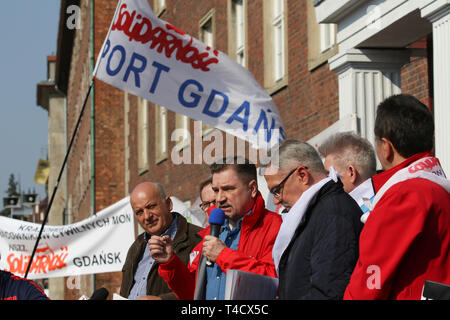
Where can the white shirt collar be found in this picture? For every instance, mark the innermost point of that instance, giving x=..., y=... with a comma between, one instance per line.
x=364, y=190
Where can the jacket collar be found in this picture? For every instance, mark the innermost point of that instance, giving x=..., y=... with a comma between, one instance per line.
x=250, y=220
x=258, y=210
x=327, y=187
x=380, y=179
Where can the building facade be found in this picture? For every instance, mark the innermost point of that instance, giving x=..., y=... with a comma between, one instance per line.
x=390, y=47
x=52, y=100
x=95, y=175
x=321, y=61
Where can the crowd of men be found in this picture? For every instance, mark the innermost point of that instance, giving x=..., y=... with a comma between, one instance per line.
x=346, y=231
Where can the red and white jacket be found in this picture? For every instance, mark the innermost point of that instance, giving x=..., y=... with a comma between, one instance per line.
x=259, y=230
x=406, y=237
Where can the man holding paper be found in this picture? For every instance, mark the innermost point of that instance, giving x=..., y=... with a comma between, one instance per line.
x=245, y=241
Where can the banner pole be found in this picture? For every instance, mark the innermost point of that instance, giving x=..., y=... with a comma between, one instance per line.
x=59, y=177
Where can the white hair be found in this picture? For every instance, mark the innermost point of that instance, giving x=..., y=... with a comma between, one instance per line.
x=348, y=148
x=292, y=153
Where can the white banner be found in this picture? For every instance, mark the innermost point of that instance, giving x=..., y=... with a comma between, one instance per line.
x=152, y=59
x=95, y=245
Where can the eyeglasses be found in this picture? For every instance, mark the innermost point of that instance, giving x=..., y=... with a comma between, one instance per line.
x=276, y=191
x=205, y=205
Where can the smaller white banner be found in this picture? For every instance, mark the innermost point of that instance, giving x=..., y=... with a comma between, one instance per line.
x=95, y=245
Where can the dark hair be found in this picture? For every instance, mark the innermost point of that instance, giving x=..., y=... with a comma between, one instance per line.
x=243, y=167
x=204, y=184
x=407, y=123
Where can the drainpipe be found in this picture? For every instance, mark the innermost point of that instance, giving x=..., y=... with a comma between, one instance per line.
x=92, y=57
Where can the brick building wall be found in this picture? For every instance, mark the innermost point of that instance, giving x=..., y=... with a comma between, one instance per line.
x=108, y=133
x=308, y=104
x=109, y=137
x=78, y=162
x=417, y=73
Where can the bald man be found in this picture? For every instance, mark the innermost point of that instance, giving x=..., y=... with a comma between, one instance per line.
x=153, y=211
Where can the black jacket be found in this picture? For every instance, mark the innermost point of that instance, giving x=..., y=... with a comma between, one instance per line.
x=185, y=240
x=17, y=288
x=319, y=260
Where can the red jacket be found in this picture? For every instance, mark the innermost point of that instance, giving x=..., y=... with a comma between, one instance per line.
x=405, y=241
x=254, y=254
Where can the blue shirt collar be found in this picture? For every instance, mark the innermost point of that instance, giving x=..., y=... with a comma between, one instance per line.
x=226, y=225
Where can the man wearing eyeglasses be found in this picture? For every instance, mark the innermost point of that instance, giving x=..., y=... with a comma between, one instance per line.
x=317, y=246
x=207, y=198
x=244, y=243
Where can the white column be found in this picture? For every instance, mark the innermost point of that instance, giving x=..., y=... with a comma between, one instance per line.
x=366, y=78
x=439, y=15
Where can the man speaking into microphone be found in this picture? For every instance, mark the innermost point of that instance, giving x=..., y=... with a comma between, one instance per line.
x=244, y=242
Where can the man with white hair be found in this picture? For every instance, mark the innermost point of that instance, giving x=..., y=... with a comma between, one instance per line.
x=353, y=158
x=317, y=246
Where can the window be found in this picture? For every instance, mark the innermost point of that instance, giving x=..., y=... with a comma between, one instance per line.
x=237, y=31
x=160, y=6
x=321, y=39
x=183, y=132
x=207, y=31
x=327, y=36
x=126, y=106
x=142, y=135
x=278, y=37
x=161, y=135
x=275, y=45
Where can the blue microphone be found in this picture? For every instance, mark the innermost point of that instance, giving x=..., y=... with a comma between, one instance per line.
x=216, y=220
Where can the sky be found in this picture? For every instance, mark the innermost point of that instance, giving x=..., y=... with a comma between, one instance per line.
x=28, y=33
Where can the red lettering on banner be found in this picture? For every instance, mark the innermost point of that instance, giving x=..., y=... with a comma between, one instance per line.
x=425, y=164
x=171, y=27
x=42, y=264
x=140, y=29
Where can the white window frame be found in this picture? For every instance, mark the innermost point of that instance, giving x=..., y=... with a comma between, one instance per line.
x=275, y=45
x=160, y=7
x=207, y=29
x=207, y=36
x=321, y=40
x=182, y=122
x=142, y=135
x=161, y=134
x=278, y=26
x=327, y=36
x=238, y=24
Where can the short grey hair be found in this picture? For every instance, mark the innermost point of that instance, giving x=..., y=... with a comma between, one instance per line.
x=291, y=153
x=349, y=148
x=161, y=190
